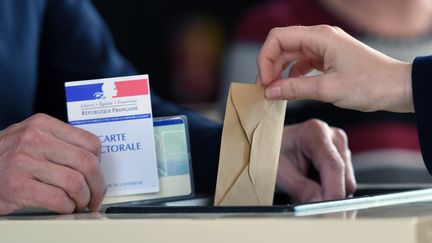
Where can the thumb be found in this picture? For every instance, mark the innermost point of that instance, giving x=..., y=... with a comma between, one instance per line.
x=296, y=88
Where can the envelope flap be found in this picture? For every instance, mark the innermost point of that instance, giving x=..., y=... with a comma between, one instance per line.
x=234, y=153
x=265, y=148
x=250, y=104
x=242, y=192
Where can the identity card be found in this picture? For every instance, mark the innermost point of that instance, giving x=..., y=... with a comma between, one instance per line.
x=118, y=111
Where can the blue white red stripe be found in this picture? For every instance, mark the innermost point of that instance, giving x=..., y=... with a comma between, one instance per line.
x=107, y=90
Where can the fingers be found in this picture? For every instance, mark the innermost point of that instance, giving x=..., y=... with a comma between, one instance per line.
x=57, y=155
x=314, y=143
x=271, y=51
x=292, y=42
x=65, y=132
x=341, y=142
x=64, y=178
x=41, y=195
x=319, y=147
x=18, y=191
x=272, y=59
x=82, y=161
x=296, y=88
x=332, y=174
x=70, y=181
x=77, y=149
x=304, y=66
x=293, y=182
x=361, y=80
x=274, y=67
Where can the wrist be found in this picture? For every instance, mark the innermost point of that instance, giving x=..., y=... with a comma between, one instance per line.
x=402, y=97
x=407, y=94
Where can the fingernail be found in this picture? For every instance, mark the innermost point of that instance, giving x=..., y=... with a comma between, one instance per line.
x=273, y=92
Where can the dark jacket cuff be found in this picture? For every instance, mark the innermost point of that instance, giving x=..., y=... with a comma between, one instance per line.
x=422, y=87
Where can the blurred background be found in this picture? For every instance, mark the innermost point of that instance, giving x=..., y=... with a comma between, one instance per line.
x=192, y=50
x=179, y=44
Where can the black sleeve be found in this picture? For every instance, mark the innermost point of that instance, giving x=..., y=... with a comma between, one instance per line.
x=422, y=87
x=75, y=44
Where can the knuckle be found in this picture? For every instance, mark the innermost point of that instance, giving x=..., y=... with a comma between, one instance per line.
x=274, y=32
x=60, y=200
x=18, y=161
x=341, y=140
x=76, y=182
x=29, y=135
x=331, y=33
x=336, y=165
x=337, y=28
x=325, y=29
x=15, y=161
x=95, y=143
x=90, y=163
x=340, y=135
x=316, y=124
x=38, y=119
x=14, y=126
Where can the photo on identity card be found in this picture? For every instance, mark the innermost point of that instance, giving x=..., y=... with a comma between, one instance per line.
x=173, y=162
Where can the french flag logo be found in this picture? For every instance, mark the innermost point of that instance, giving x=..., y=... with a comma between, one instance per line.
x=107, y=90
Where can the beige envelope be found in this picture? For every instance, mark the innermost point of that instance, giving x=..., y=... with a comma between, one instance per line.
x=251, y=141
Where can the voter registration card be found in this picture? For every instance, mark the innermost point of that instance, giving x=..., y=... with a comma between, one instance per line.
x=174, y=163
x=118, y=111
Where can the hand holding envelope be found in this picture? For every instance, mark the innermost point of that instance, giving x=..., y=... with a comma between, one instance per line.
x=251, y=141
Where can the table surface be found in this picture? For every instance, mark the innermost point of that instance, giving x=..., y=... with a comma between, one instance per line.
x=408, y=222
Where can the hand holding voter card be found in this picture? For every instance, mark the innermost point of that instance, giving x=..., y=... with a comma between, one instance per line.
x=118, y=111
